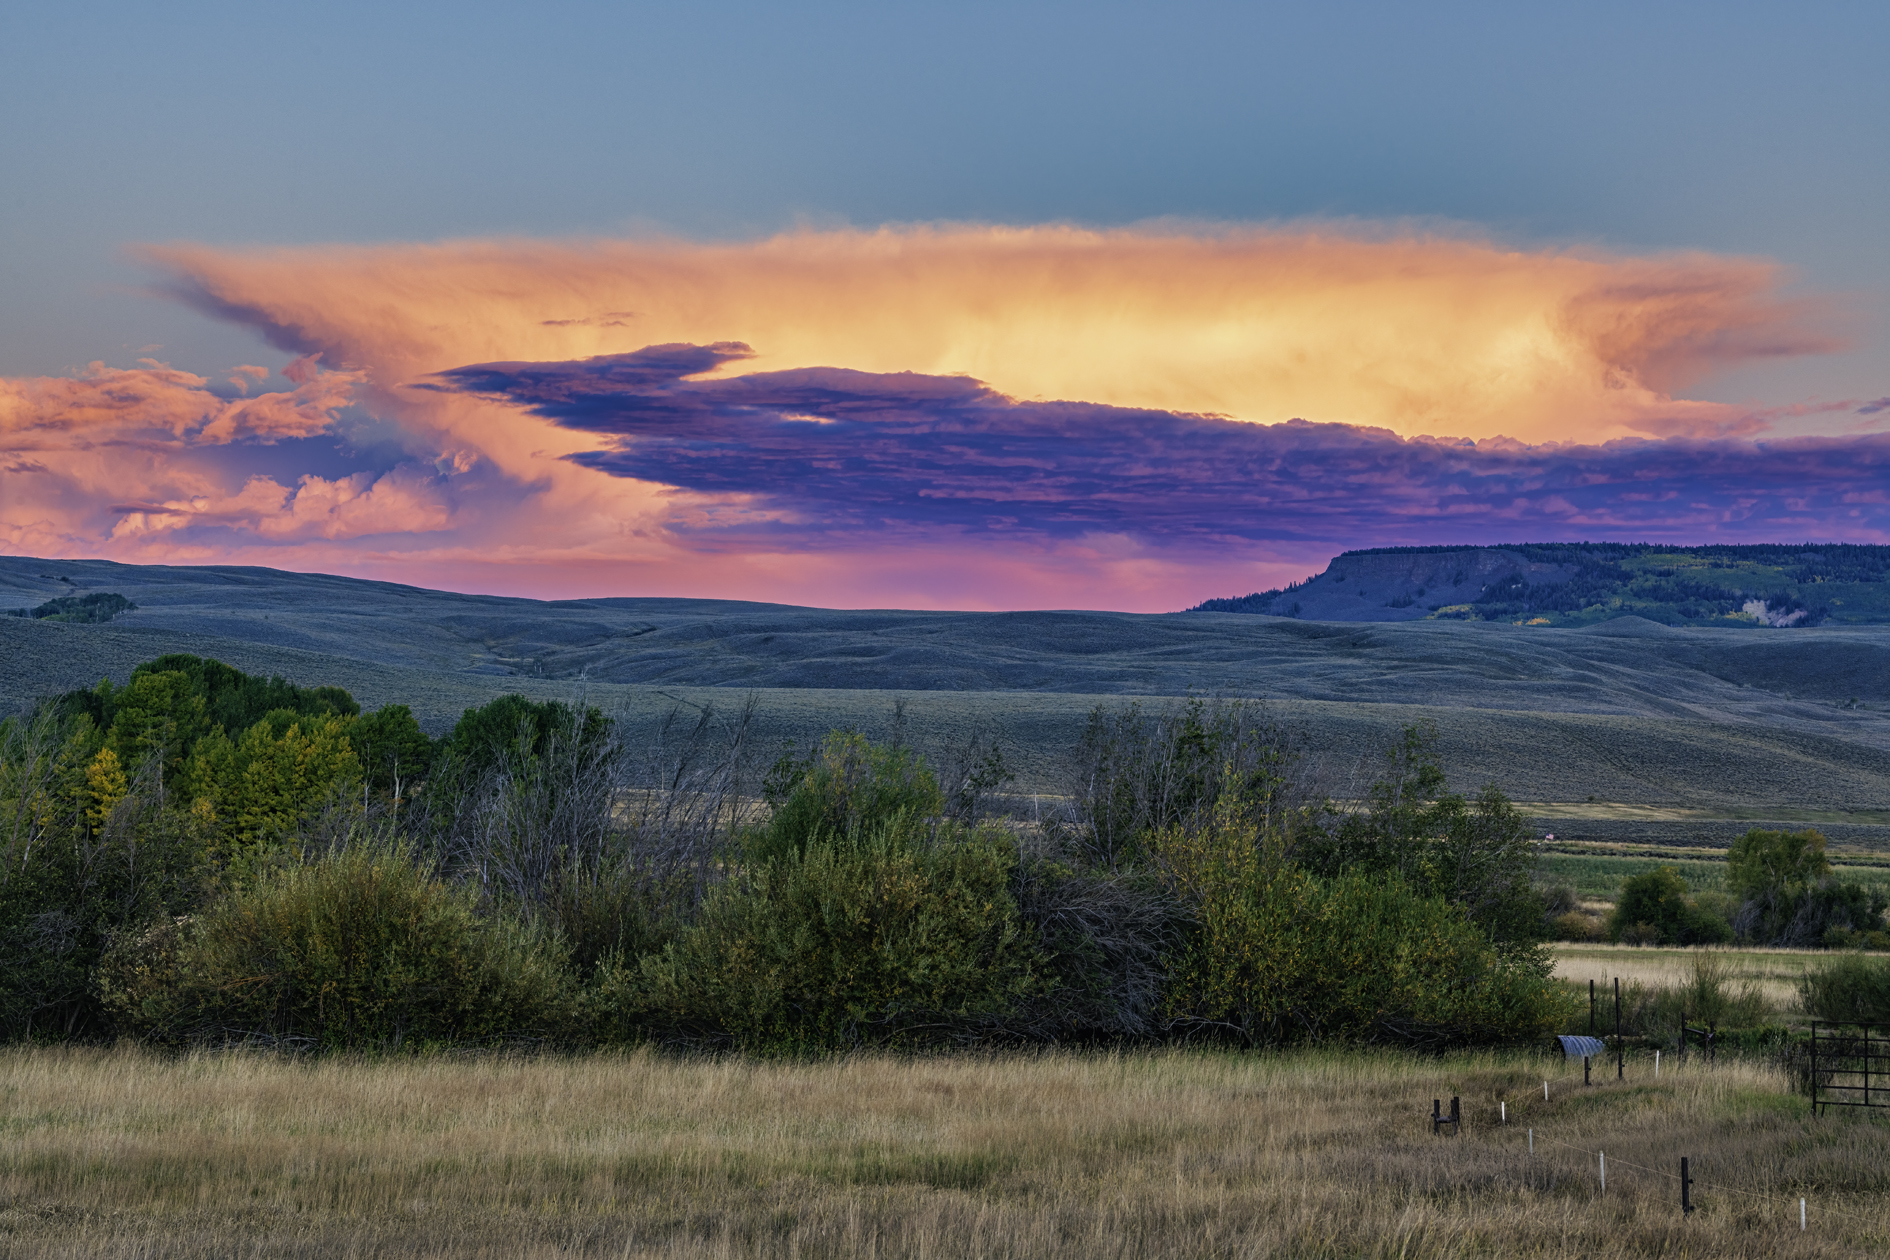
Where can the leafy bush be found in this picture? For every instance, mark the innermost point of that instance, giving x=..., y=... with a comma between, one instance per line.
x=361, y=948
x=848, y=787
x=1576, y=926
x=1851, y=989
x=880, y=937
x=1707, y=996
x=1655, y=908
x=1475, y=853
x=1276, y=954
x=87, y=850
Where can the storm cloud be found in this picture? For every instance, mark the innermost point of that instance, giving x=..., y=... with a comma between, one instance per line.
x=854, y=458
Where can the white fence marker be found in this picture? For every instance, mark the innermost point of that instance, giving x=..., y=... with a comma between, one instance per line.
x=1604, y=1170
x=1505, y=1111
x=1545, y=1091
x=1532, y=1141
x=1656, y=1065
x=1801, y=1216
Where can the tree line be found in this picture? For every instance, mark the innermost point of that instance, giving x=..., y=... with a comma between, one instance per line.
x=205, y=855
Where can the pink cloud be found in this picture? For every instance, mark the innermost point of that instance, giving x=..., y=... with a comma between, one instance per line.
x=399, y=502
x=105, y=404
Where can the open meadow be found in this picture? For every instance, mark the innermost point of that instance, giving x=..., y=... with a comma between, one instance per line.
x=1775, y=972
x=1165, y=1153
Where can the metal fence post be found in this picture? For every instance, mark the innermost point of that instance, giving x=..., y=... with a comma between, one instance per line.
x=1686, y=1189
x=1814, y=1067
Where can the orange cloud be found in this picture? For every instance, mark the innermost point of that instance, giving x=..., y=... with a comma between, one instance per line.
x=347, y=507
x=103, y=404
x=1417, y=334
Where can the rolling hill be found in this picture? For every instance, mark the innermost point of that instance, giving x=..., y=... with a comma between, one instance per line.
x=1625, y=728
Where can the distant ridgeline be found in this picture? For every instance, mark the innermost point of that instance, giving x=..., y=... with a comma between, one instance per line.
x=96, y=607
x=1575, y=584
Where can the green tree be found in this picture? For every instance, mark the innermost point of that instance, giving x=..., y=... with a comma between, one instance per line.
x=278, y=774
x=155, y=714
x=394, y=752
x=1477, y=853
x=1660, y=900
x=1776, y=863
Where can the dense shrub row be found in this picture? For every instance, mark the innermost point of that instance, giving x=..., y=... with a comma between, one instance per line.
x=1780, y=891
x=201, y=854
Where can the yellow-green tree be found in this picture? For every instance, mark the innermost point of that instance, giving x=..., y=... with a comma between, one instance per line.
x=276, y=775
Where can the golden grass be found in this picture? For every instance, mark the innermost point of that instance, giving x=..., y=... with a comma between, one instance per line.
x=127, y=1153
x=1775, y=971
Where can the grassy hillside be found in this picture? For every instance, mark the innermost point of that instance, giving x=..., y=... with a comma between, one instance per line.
x=1713, y=730
x=1577, y=584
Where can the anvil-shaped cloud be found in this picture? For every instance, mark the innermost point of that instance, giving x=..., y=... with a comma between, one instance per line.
x=893, y=439
x=1414, y=332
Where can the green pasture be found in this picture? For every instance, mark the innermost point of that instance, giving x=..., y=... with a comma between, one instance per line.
x=1598, y=877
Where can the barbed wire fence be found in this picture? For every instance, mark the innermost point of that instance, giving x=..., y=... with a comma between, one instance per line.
x=1682, y=1180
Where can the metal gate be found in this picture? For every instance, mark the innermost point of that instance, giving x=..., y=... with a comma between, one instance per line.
x=1848, y=1065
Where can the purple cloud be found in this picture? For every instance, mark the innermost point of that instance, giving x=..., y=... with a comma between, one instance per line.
x=842, y=453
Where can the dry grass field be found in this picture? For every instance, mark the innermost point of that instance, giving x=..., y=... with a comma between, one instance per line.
x=126, y=1153
x=1775, y=971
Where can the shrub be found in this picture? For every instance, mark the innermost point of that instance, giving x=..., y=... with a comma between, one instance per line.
x=361, y=948
x=1277, y=955
x=848, y=787
x=1655, y=908
x=872, y=939
x=1852, y=989
x=1576, y=926
x=1475, y=853
x=1135, y=773
x=1103, y=937
x=1706, y=996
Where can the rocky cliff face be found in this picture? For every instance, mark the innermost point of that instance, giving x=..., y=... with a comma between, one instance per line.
x=1360, y=586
